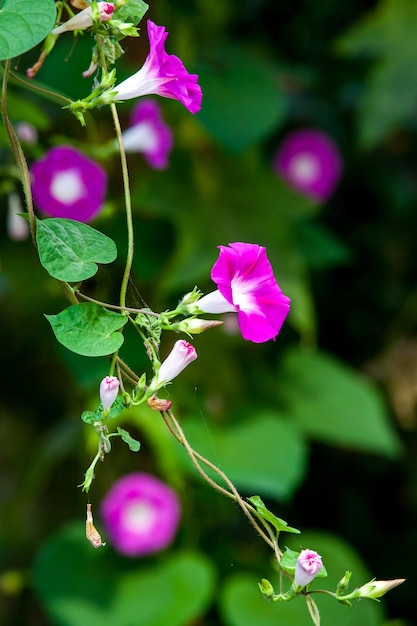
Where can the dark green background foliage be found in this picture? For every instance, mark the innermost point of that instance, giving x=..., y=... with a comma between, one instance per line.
x=320, y=423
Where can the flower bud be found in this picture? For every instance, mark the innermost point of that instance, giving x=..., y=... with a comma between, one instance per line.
x=181, y=355
x=344, y=582
x=84, y=18
x=377, y=588
x=194, y=326
x=309, y=564
x=266, y=589
x=109, y=388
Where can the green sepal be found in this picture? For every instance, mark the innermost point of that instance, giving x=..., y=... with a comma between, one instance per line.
x=278, y=523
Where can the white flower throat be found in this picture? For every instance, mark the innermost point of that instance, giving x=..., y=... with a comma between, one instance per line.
x=67, y=186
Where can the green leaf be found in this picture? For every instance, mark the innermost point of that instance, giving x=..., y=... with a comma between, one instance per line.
x=386, y=34
x=96, y=588
x=133, y=444
x=70, y=250
x=89, y=417
x=133, y=11
x=23, y=24
x=88, y=329
x=278, y=523
x=242, y=101
x=331, y=402
x=275, y=448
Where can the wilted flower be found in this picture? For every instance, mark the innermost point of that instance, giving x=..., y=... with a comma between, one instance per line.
x=310, y=162
x=141, y=514
x=109, y=388
x=149, y=134
x=309, y=564
x=84, y=18
x=91, y=531
x=181, y=355
x=246, y=285
x=66, y=183
x=162, y=74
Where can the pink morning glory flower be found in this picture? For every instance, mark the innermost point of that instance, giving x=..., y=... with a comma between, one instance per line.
x=309, y=564
x=66, y=183
x=162, y=74
x=140, y=514
x=246, y=284
x=310, y=162
x=149, y=134
x=83, y=19
x=181, y=355
x=109, y=388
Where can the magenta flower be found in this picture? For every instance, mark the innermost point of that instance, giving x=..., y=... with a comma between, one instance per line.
x=83, y=19
x=66, y=183
x=309, y=564
x=149, y=134
x=109, y=388
x=162, y=74
x=310, y=162
x=141, y=514
x=246, y=285
x=181, y=355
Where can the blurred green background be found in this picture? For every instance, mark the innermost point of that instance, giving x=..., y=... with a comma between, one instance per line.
x=321, y=423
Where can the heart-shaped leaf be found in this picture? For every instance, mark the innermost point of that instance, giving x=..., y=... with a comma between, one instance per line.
x=23, y=24
x=70, y=250
x=88, y=329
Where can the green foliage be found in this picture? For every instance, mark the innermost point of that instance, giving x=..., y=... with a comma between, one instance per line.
x=23, y=24
x=184, y=580
x=88, y=329
x=133, y=11
x=89, y=417
x=70, y=250
x=235, y=115
x=332, y=403
x=276, y=451
x=278, y=523
x=133, y=444
x=387, y=36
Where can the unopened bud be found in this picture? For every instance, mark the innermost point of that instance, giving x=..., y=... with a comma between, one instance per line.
x=266, y=588
x=109, y=388
x=309, y=564
x=91, y=532
x=377, y=588
x=195, y=326
x=159, y=404
x=344, y=582
x=84, y=19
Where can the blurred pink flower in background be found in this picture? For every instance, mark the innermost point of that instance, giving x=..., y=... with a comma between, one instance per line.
x=17, y=226
x=162, y=74
x=149, y=134
x=66, y=183
x=140, y=514
x=310, y=162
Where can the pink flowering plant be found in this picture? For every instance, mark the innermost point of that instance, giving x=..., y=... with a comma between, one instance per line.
x=141, y=514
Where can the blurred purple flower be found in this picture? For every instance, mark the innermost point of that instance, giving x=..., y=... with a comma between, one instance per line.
x=162, y=74
x=149, y=134
x=141, y=514
x=310, y=162
x=66, y=183
x=247, y=285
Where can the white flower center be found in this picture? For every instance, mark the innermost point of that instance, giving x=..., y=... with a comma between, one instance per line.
x=304, y=168
x=139, y=517
x=140, y=138
x=67, y=186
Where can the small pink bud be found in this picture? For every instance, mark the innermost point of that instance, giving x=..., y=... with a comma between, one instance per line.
x=181, y=355
x=109, y=388
x=309, y=564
